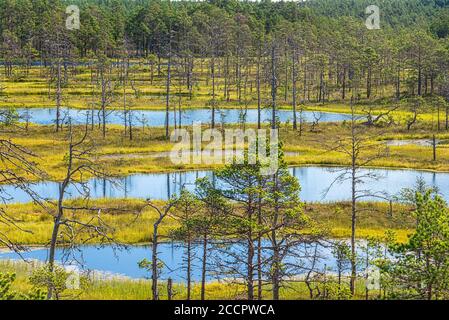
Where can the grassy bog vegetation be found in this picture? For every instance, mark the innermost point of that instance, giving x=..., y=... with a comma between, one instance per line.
x=232, y=233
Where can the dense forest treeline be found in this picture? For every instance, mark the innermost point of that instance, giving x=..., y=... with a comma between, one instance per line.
x=105, y=23
x=317, y=50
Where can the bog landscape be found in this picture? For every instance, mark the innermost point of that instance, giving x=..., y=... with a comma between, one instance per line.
x=186, y=150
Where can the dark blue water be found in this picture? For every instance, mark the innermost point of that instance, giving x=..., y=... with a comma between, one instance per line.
x=157, y=118
x=125, y=262
x=314, y=182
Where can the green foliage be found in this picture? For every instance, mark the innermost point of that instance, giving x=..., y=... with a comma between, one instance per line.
x=147, y=265
x=6, y=293
x=335, y=291
x=420, y=267
x=342, y=253
x=6, y=279
x=9, y=117
x=58, y=280
x=440, y=24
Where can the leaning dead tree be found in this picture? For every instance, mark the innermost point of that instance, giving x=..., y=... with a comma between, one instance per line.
x=78, y=222
x=361, y=149
x=374, y=118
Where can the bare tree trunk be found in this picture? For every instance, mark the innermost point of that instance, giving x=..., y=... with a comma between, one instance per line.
x=294, y=88
x=438, y=118
x=125, y=80
x=57, y=220
x=273, y=86
x=250, y=284
x=276, y=262
x=53, y=241
x=204, y=267
x=419, y=75
x=366, y=273
x=321, y=89
x=398, y=84
x=189, y=268
x=353, y=206
x=258, y=93
x=103, y=99
x=368, y=83
x=58, y=95
x=276, y=257
x=447, y=117
x=154, y=254
x=227, y=81
x=434, y=147
x=213, y=92
x=259, y=251
x=154, y=261
x=167, y=97
x=169, y=288
x=286, y=76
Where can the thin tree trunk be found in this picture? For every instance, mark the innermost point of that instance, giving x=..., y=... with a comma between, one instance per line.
x=167, y=97
x=250, y=274
x=154, y=261
x=273, y=87
x=58, y=96
x=353, y=209
x=103, y=100
x=125, y=111
x=204, y=267
x=213, y=93
x=294, y=88
x=259, y=251
x=286, y=76
x=447, y=117
x=419, y=76
x=275, y=245
x=368, y=83
x=398, y=84
x=189, y=267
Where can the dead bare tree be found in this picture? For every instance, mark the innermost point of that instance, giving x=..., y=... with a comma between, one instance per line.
x=316, y=120
x=274, y=84
x=361, y=149
x=58, y=51
x=163, y=211
x=187, y=214
x=71, y=229
x=106, y=89
x=415, y=108
x=372, y=120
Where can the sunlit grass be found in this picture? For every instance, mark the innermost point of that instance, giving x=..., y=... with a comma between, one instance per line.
x=149, y=150
x=121, y=288
x=132, y=221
